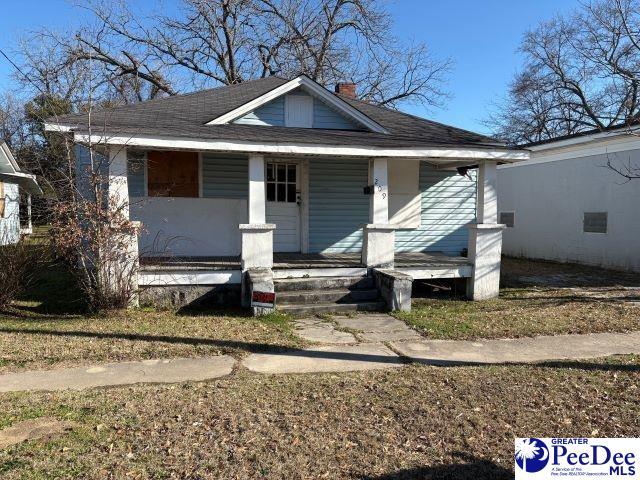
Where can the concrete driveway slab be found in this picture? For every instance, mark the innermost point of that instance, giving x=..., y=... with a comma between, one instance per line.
x=333, y=358
x=125, y=373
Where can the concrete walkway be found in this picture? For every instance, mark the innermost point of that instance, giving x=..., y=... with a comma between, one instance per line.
x=520, y=350
x=125, y=373
x=343, y=351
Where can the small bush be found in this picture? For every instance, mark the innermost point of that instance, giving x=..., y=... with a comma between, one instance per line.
x=18, y=264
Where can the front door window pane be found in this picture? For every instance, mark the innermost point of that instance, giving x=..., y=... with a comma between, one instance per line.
x=282, y=182
x=291, y=192
x=271, y=192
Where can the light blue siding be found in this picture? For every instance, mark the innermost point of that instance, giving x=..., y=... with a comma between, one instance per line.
x=10, y=221
x=338, y=206
x=325, y=117
x=84, y=178
x=225, y=177
x=136, y=166
x=448, y=205
x=273, y=114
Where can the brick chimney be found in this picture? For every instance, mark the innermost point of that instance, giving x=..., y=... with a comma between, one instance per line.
x=347, y=89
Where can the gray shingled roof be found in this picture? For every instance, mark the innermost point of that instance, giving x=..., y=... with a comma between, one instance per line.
x=185, y=116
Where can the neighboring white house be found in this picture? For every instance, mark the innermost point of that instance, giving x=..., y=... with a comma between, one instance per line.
x=12, y=180
x=283, y=179
x=566, y=204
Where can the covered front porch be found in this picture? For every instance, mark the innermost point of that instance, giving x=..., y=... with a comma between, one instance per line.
x=397, y=219
x=420, y=265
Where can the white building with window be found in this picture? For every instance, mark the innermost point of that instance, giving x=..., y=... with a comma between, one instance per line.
x=567, y=203
x=13, y=183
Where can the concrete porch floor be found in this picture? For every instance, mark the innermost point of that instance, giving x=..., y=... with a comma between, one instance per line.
x=302, y=260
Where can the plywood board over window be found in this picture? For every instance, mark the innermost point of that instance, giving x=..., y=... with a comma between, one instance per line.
x=172, y=174
x=404, y=193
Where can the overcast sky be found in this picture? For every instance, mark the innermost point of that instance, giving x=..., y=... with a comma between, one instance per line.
x=481, y=37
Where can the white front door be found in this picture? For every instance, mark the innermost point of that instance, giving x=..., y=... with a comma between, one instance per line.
x=283, y=209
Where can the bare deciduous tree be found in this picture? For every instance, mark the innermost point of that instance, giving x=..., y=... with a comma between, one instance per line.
x=137, y=56
x=581, y=72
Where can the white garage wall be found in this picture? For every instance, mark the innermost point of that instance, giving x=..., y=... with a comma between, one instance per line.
x=549, y=200
x=189, y=226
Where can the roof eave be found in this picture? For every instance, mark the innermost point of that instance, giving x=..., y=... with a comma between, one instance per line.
x=445, y=153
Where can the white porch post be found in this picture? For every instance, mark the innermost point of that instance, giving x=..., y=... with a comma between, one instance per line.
x=257, y=237
x=118, y=187
x=378, y=241
x=122, y=266
x=485, y=237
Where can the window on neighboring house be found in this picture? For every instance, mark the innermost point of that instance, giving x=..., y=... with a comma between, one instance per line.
x=508, y=219
x=172, y=174
x=2, y=200
x=595, y=222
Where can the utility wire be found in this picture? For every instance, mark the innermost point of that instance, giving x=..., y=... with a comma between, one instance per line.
x=26, y=77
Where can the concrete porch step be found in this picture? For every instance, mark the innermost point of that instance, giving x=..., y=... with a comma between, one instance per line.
x=342, y=295
x=316, y=308
x=323, y=283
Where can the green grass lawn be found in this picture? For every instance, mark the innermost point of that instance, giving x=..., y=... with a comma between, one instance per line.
x=414, y=422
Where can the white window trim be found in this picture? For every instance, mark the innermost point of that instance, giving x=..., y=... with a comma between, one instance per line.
x=315, y=89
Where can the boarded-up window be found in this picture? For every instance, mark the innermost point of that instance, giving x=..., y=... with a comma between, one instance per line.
x=172, y=174
x=508, y=219
x=595, y=222
x=2, y=200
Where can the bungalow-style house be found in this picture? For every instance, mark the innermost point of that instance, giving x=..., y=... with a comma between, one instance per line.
x=12, y=181
x=584, y=211
x=282, y=185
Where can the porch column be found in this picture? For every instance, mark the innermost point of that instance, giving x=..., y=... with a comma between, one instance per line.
x=378, y=241
x=256, y=237
x=122, y=262
x=485, y=237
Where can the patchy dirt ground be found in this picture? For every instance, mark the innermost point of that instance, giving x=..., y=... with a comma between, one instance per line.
x=413, y=423
x=537, y=298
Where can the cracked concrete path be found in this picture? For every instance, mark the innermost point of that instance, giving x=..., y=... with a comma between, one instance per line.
x=360, y=328
x=321, y=331
x=341, y=356
x=519, y=350
x=327, y=358
x=124, y=373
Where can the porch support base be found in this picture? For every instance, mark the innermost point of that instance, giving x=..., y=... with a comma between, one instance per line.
x=257, y=245
x=378, y=245
x=395, y=288
x=258, y=280
x=485, y=248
